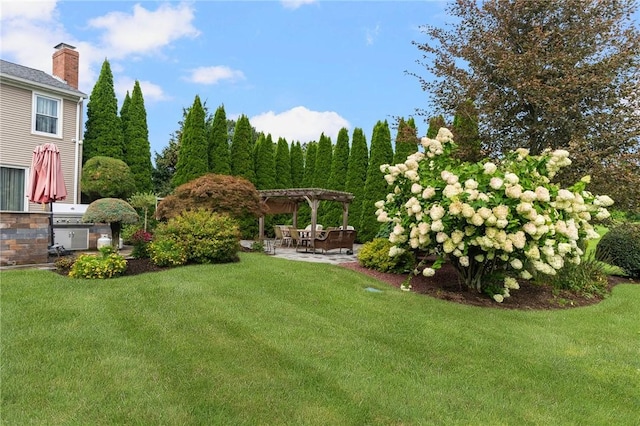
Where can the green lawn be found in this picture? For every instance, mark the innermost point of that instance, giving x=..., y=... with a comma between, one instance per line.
x=270, y=341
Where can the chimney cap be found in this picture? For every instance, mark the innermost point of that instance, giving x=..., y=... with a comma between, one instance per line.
x=64, y=46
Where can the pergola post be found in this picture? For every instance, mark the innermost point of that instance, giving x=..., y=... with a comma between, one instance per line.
x=345, y=215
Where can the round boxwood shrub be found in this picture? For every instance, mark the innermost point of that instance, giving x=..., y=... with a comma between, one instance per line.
x=205, y=236
x=621, y=247
x=375, y=255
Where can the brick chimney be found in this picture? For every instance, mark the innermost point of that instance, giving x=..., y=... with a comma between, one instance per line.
x=65, y=64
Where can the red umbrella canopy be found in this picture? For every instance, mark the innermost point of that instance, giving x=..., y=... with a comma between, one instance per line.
x=46, y=183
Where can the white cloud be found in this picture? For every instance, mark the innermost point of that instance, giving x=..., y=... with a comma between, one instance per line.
x=300, y=124
x=145, y=32
x=372, y=34
x=213, y=75
x=38, y=10
x=294, y=4
x=151, y=92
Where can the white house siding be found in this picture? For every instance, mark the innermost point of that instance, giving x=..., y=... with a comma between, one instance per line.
x=17, y=141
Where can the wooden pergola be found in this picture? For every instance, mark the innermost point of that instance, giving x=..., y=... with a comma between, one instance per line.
x=280, y=201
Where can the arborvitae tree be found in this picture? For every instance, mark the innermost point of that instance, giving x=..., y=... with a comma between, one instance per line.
x=265, y=163
x=242, y=150
x=375, y=187
x=124, y=120
x=103, y=129
x=193, y=144
x=283, y=164
x=297, y=165
x=332, y=211
x=165, y=167
x=465, y=132
x=406, y=140
x=356, y=175
x=435, y=124
x=542, y=73
x=218, y=138
x=323, y=162
x=311, y=151
x=136, y=134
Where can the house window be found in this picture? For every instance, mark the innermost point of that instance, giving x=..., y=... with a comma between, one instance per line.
x=46, y=115
x=12, y=188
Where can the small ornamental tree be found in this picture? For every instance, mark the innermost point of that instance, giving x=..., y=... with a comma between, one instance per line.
x=485, y=218
x=104, y=177
x=219, y=193
x=113, y=211
x=145, y=201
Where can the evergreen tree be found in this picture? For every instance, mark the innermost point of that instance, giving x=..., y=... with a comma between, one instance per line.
x=165, y=167
x=241, y=150
x=375, y=187
x=218, y=138
x=193, y=143
x=311, y=150
x=435, y=124
x=137, y=150
x=265, y=163
x=332, y=211
x=103, y=129
x=406, y=140
x=465, y=132
x=356, y=175
x=283, y=164
x=323, y=162
x=297, y=165
x=124, y=120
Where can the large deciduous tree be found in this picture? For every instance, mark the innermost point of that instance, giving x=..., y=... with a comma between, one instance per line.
x=192, y=158
x=103, y=128
x=137, y=150
x=541, y=73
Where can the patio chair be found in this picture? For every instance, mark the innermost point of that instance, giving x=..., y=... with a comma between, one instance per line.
x=296, y=239
x=280, y=239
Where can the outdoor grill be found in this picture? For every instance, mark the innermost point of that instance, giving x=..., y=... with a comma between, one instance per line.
x=68, y=229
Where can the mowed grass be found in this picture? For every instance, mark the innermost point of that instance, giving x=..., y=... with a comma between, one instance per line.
x=270, y=341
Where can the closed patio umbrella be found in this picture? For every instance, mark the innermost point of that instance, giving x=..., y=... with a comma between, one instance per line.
x=46, y=181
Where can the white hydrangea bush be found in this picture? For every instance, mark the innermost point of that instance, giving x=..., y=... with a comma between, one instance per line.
x=488, y=217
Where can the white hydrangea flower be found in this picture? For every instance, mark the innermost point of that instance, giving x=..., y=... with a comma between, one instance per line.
x=513, y=191
x=428, y=272
x=379, y=204
x=444, y=135
x=416, y=188
x=477, y=220
x=602, y=214
x=383, y=217
x=522, y=153
x=528, y=196
x=437, y=226
x=437, y=212
x=412, y=163
x=441, y=237
x=471, y=184
x=542, y=194
x=526, y=275
x=457, y=236
x=428, y=192
x=390, y=179
x=424, y=228
x=464, y=261
x=603, y=200
x=511, y=283
x=451, y=191
x=516, y=263
x=502, y=223
x=489, y=168
x=479, y=258
x=511, y=178
x=467, y=210
x=448, y=246
x=496, y=183
x=533, y=253
x=484, y=212
x=455, y=208
x=498, y=298
x=395, y=251
x=565, y=195
x=501, y=211
x=412, y=175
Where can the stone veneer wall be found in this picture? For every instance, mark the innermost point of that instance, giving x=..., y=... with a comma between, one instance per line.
x=24, y=238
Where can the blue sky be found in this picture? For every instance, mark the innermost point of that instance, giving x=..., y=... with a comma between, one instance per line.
x=295, y=68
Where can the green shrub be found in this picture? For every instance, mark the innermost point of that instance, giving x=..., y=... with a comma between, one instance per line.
x=166, y=252
x=140, y=241
x=107, y=264
x=621, y=247
x=588, y=278
x=63, y=264
x=206, y=237
x=375, y=255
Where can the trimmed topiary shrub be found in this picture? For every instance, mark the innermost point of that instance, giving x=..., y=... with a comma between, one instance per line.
x=375, y=255
x=205, y=236
x=621, y=247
